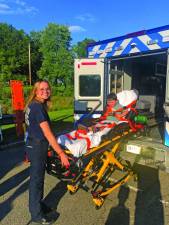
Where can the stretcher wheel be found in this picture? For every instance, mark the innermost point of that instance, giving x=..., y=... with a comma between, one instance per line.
x=72, y=188
x=98, y=202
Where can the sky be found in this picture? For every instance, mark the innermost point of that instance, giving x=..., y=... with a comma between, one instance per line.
x=96, y=19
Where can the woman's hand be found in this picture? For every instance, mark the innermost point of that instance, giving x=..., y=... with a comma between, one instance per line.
x=53, y=142
x=64, y=159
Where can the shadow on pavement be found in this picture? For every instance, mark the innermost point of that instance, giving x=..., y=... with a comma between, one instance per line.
x=14, y=181
x=148, y=208
x=54, y=196
x=120, y=214
x=10, y=158
x=6, y=206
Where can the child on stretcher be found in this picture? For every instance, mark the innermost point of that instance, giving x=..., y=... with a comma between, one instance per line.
x=81, y=140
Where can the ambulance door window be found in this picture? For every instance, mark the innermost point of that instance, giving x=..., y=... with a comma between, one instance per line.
x=90, y=85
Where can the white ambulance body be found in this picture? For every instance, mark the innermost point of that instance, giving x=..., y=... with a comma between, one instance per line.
x=138, y=60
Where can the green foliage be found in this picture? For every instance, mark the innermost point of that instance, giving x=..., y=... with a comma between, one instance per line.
x=62, y=91
x=36, y=55
x=51, y=54
x=79, y=50
x=59, y=103
x=27, y=91
x=65, y=114
x=51, y=58
x=13, y=52
x=57, y=65
x=62, y=98
x=5, y=99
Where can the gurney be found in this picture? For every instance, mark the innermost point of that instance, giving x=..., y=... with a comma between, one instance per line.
x=97, y=162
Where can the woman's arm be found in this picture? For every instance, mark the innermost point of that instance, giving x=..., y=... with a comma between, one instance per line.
x=52, y=141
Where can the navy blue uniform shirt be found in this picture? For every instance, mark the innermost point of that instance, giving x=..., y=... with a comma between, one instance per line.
x=34, y=115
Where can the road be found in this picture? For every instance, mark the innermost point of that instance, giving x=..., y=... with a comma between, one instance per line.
x=145, y=202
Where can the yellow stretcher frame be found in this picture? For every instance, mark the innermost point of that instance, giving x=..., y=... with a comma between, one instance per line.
x=101, y=165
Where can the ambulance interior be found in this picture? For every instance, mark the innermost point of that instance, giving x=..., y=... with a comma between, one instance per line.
x=147, y=74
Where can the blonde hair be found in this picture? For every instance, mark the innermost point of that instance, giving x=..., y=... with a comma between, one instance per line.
x=32, y=96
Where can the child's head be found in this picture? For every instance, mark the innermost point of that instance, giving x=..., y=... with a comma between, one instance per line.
x=111, y=97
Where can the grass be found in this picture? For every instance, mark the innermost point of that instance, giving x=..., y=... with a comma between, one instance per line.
x=62, y=120
x=64, y=114
x=8, y=126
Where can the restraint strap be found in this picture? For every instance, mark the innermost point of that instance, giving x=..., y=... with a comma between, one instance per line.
x=78, y=134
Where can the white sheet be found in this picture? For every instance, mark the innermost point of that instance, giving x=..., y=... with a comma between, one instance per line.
x=78, y=147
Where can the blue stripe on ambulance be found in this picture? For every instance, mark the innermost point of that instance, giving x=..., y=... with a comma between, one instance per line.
x=157, y=36
x=139, y=45
x=115, y=46
x=166, y=134
x=139, y=42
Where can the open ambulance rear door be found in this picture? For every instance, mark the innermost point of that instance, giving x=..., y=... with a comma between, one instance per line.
x=90, y=87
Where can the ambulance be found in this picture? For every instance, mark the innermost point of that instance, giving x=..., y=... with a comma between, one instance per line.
x=140, y=61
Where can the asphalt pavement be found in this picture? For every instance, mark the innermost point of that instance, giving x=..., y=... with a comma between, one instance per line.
x=145, y=202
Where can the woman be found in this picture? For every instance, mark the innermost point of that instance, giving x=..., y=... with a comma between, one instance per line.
x=39, y=136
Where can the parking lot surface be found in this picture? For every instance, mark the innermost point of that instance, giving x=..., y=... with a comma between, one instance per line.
x=145, y=202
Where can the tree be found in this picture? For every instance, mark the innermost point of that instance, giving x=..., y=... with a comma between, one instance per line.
x=57, y=58
x=14, y=52
x=79, y=49
x=5, y=72
x=36, y=55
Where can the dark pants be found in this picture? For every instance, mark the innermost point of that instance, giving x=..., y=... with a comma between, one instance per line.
x=37, y=154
